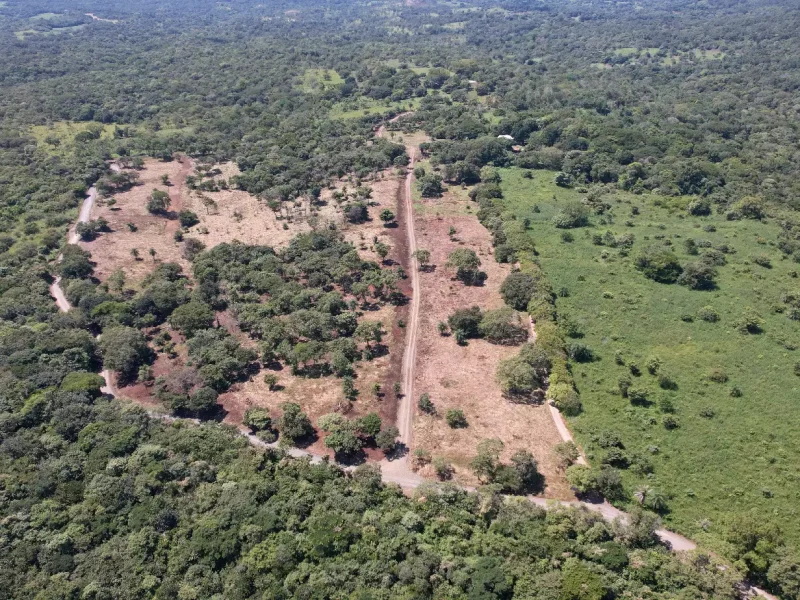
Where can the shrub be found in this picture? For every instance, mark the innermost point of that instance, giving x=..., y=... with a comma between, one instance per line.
x=718, y=376
x=573, y=214
x=700, y=207
x=81, y=381
x=659, y=264
x=638, y=395
x=579, y=352
x=750, y=322
x=749, y=207
x=425, y=405
x=443, y=469
x=669, y=422
x=518, y=289
x=708, y=314
x=455, y=418
x=698, y=275
x=187, y=218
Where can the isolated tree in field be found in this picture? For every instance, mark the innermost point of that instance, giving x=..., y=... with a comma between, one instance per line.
x=135, y=253
x=573, y=214
x=518, y=289
x=423, y=258
x=425, y=404
x=152, y=253
x=158, y=203
x=465, y=263
x=387, y=216
x=209, y=204
x=187, y=218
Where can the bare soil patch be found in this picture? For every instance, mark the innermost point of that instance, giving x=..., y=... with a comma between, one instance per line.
x=112, y=250
x=464, y=377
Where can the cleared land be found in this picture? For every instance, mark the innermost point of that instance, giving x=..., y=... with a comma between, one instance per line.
x=241, y=216
x=463, y=377
x=736, y=446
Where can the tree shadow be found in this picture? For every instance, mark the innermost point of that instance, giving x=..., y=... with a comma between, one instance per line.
x=351, y=459
x=427, y=268
x=399, y=451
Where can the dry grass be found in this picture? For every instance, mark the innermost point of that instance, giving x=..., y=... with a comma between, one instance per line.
x=463, y=377
x=112, y=250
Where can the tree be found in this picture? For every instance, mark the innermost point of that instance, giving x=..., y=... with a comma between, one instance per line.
x=369, y=425
x=386, y=439
x=158, y=203
x=382, y=250
x=518, y=380
x=466, y=263
x=257, y=419
x=387, y=216
x=187, y=218
x=750, y=322
x=124, y=350
x=487, y=461
x=192, y=317
x=502, y=326
x=369, y=332
x=430, y=186
x=423, y=258
x=75, y=263
x=467, y=321
x=135, y=253
x=152, y=253
x=518, y=289
x=294, y=424
x=659, y=264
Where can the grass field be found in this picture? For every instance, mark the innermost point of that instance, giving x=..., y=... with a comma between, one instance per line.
x=730, y=452
x=360, y=107
x=320, y=80
x=58, y=138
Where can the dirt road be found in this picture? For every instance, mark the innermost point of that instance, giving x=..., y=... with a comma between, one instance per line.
x=58, y=293
x=405, y=410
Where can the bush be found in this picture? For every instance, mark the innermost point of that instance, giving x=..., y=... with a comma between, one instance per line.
x=708, y=314
x=455, y=418
x=425, y=405
x=518, y=289
x=718, y=376
x=565, y=398
x=700, y=207
x=579, y=352
x=187, y=218
x=698, y=276
x=573, y=214
x=502, y=326
x=466, y=263
x=749, y=322
x=659, y=264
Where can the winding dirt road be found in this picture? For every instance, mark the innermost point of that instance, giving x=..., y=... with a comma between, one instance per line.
x=58, y=293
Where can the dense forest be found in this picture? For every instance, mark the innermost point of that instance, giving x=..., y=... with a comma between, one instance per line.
x=639, y=160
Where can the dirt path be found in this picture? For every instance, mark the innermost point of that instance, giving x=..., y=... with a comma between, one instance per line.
x=58, y=293
x=405, y=412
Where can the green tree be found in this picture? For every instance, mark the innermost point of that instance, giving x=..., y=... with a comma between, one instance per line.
x=158, y=203
x=192, y=317
x=659, y=264
x=294, y=424
x=124, y=350
x=518, y=289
